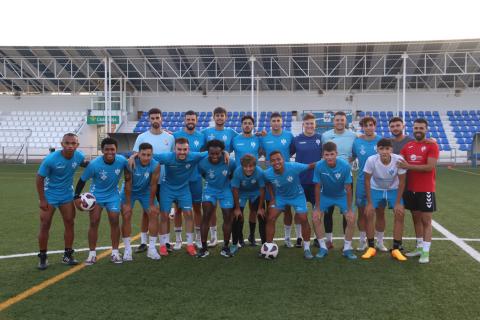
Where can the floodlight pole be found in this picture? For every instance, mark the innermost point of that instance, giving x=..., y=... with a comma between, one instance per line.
x=109, y=95
x=105, y=92
x=258, y=91
x=404, y=57
x=398, y=94
x=252, y=76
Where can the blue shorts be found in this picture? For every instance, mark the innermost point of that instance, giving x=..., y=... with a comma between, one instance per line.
x=360, y=194
x=381, y=198
x=57, y=201
x=243, y=199
x=144, y=200
x=309, y=190
x=181, y=197
x=196, y=188
x=327, y=202
x=298, y=203
x=225, y=197
x=111, y=205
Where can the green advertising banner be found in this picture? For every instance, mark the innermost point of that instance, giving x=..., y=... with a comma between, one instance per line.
x=101, y=120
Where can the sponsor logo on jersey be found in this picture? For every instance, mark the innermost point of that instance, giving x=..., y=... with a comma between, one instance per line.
x=103, y=175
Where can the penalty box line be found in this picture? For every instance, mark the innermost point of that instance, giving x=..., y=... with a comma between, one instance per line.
x=459, y=242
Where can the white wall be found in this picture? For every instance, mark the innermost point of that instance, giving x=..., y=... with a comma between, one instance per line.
x=44, y=102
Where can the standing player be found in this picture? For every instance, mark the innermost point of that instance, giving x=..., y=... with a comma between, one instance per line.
x=364, y=147
x=161, y=141
x=285, y=190
x=247, y=185
x=333, y=178
x=243, y=144
x=54, y=184
x=420, y=161
x=343, y=138
x=105, y=173
x=217, y=175
x=144, y=189
x=196, y=142
x=308, y=148
x=226, y=135
x=384, y=185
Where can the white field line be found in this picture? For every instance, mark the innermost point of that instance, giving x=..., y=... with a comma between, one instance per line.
x=459, y=242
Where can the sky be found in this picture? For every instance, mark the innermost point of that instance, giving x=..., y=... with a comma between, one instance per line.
x=224, y=22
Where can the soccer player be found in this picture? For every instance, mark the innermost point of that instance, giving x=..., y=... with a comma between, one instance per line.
x=105, y=172
x=217, y=175
x=399, y=140
x=196, y=142
x=247, y=185
x=365, y=146
x=145, y=177
x=384, y=185
x=243, y=144
x=161, y=141
x=308, y=148
x=420, y=161
x=333, y=180
x=343, y=138
x=285, y=190
x=280, y=140
x=54, y=184
x=226, y=135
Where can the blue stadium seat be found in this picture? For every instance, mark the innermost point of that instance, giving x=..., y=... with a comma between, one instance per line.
x=449, y=113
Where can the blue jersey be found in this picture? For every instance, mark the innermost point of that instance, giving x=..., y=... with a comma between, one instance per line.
x=142, y=177
x=362, y=149
x=226, y=135
x=217, y=176
x=281, y=142
x=105, y=177
x=196, y=141
x=248, y=186
x=178, y=172
x=245, y=145
x=287, y=184
x=333, y=180
x=344, y=142
x=307, y=150
x=58, y=172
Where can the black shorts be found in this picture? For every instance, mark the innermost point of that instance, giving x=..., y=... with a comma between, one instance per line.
x=420, y=201
x=309, y=190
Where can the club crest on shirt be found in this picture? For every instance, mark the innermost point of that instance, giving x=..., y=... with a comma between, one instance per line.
x=283, y=141
x=253, y=144
x=196, y=143
x=423, y=148
x=289, y=178
x=317, y=142
x=166, y=142
x=338, y=175
x=74, y=164
x=224, y=137
x=147, y=174
x=117, y=171
x=253, y=181
x=103, y=175
x=211, y=174
x=391, y=172
x=187, y=166
x=225, y=172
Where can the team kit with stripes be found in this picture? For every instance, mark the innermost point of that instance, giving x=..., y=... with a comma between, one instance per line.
x=182, y=178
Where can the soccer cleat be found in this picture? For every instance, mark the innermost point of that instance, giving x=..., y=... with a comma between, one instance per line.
x=424, y=257
x=287, y=243
x=163, y=251
x=127, y=255
x=91, y=260
x=177, y=246
x=198, y=244
x=116, y=258
x=362, y=246
x=381, y=247
x=153, y=254
x=298, y=244
x=191, y=250
x=307, y=254
x=202, y=253
x=241, y=243
x=397, y=254
x=212, y=243
x=415, y=253
x=141, y=248
x=370, y=253
x=226, y=252
x=43, y=263
x=329, y=245
x=233, y=249
x=68, y=258
x=316, y=243
x=322, y=253
x=169, y=247
x=349, y=254
x=252, y=241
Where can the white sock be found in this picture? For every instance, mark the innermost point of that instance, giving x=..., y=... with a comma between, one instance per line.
x=363, y=236
x=347, y=245
x=153, y=241
x=114, y=252
x=419, y=242
x=298, y=230
x=426, y=246
x=213, y=232
x=288, y=230
x=322, y=243
x=164, y=239
x=126, y=242
x=198, y=235
x=189, y=237
x=329, y=237
x=178, y=234
x=306, y=245
x=92, y=253
x=379, y=235
x=143, y=237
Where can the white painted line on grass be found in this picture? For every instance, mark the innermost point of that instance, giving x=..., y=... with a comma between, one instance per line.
x=459, y=242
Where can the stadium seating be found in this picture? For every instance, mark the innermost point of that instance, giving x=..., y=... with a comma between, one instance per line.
x=464, y=123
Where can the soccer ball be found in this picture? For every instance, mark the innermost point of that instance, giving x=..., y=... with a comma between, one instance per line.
x=87, y=201
x=269, y=250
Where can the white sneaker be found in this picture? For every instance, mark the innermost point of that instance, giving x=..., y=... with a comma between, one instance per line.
x=91, y=260
x=116, y=258
x=177, y=246
x=362, y=246
x=127, y=256
x=198, y=244
x=381, y=247
x=212, y=243
x=287, y=243
x=153, y=254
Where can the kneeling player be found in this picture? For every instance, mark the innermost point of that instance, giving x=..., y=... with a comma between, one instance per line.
x=247, y=185
x=384, y=184
x=333, y=180
x=287, y=192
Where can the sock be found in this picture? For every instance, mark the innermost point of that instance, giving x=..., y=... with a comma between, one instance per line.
x=114, y=252
x=235, y=231
x=126, y=242
x=213, y=232
x=153, y=241
x=92, y=253
x=178, y=234
x=397, y=244
x=426, y=246
x=419, y=242
x=143, y=238
x=379, y=235
x=306, y=245
x=240, y=231
x=204, y=245
x=363, y=236
x=329, y=237
x=288, y=230
x=163, y=239
x=252, y=226
x=198, y=236
x=298, y=230
x=322, y=243
x=371, y=243
x=261, y=229
x=43, y=251
x=189, y=238
x=347, y=245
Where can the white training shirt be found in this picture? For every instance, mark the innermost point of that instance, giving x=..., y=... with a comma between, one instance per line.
x=384, y=177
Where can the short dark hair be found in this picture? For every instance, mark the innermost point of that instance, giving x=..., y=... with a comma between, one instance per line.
x=308, y=116
x=215, y=144
x=366, y=120
x=219, y=110
x=181, y=140
x=248, y=159
x=421, y=120
x=245, y=117
x=69, y=134
x=329, y=146
x=384, y=142
x=340, y=113
x=145, y=146
x=274, y=152
x=108, y=140
x=275, y=115
x=154, y=111
x=191, y=113
x=395, y=119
